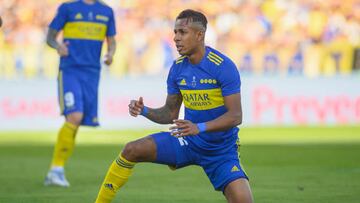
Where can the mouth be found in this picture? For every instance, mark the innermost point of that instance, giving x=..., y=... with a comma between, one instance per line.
x=179, y=47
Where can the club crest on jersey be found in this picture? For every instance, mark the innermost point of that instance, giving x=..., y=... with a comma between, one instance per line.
x=193, y=82
x=91, y=16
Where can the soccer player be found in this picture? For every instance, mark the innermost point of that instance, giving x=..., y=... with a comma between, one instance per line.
x=208, y=84
x=85, y=25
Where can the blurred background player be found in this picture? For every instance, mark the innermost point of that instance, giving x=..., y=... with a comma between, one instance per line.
x=208, y=83
x=85, y=25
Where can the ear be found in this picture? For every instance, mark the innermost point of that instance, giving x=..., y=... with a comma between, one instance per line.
x=200, y=35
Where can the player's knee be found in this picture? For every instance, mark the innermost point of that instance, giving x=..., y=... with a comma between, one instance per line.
x=131, y=152
x=240, y=199
x=238, y=191
x=75, y=118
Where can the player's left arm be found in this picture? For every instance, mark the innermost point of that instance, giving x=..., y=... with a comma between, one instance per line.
x=111, y=48
x=230, y=119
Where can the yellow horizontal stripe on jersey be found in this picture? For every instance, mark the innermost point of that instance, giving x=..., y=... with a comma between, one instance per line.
x=85, y=30
x=216, y=56
x=202, y=99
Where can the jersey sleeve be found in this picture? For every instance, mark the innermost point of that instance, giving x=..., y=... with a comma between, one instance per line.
x=111, y=29
x=229, y=78
x=60, y=19
x=172, y=87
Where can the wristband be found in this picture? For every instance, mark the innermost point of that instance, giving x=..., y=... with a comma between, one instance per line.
x=201, y=127
x=144, y=111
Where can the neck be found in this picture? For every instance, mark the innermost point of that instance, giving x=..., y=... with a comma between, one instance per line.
x=89, y=1
x=197, y=56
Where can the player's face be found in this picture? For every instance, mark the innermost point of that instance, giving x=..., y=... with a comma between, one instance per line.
x=186, y=37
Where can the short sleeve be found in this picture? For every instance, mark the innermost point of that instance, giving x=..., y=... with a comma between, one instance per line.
x=60, y=19
x=172, y=87
x=229, y=79
x=111, y=29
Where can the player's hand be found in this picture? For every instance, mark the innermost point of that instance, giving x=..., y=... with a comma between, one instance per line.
x=63, y=49
x=108, y=59
x=183, y=128
x=136, y=107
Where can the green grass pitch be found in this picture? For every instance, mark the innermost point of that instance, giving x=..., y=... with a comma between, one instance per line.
x=285, y=165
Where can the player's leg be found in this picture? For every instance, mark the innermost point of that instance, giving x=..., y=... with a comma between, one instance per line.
x=227, y=175
x=78, y=94
x=159, y=148
x=142, y=150
x=238, y=191
x=70, y=99
x=66, y=139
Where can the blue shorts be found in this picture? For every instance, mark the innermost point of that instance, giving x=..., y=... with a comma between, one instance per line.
x=221, y=169
x=78, y=92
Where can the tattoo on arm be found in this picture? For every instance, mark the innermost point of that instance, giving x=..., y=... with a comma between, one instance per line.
x=51, y=38
x=167, y=113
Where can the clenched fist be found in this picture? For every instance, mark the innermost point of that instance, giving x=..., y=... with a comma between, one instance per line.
x=136, y=107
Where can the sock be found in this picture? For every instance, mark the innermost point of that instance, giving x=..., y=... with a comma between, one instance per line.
x=117, y=175
x=64, y=145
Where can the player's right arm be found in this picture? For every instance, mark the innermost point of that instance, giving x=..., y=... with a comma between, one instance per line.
x=61, y=48
x=55, y=27
x=162, y=115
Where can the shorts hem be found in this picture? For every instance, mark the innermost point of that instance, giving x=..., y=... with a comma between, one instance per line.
x=228, y=182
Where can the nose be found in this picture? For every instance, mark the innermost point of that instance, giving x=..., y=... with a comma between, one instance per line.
x=176, y=38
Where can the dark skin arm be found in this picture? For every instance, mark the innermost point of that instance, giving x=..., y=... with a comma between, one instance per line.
x=231, y=118
x=163, y=115
x=111, y=47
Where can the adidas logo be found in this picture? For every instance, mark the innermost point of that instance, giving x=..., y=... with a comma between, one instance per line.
x=183, y=82
x=234, y=168
x=78, y=16
x=109, y=186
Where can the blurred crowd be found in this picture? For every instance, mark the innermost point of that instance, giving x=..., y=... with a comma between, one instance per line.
x=266, y=37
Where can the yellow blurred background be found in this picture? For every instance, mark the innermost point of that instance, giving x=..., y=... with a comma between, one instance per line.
x=270, y=37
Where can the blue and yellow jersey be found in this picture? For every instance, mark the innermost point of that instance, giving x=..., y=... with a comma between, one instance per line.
x=85, y=27
x=203, y=87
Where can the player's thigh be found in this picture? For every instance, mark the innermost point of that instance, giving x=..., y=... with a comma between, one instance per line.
x=172, y=151
x=238, y=191
x=141, y=150
x=70, y=93
x=223, y=168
